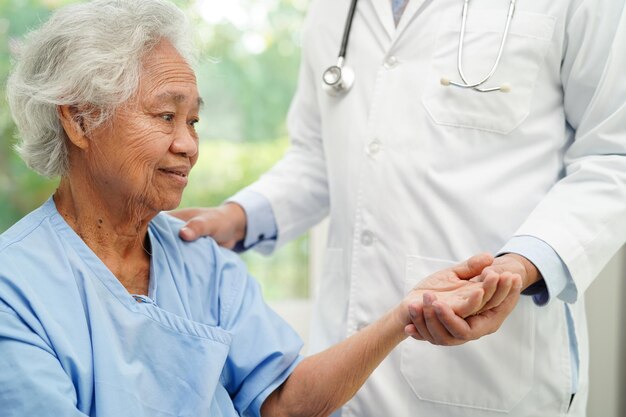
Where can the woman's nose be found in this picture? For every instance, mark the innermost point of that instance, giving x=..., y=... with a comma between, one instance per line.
x=185, y=142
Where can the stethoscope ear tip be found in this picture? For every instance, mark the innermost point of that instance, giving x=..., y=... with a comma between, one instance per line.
x=505, y=88
x=445, y=82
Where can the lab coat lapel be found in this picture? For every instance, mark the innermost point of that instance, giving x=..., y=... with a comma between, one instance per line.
x=412, y=8
x=382, y=9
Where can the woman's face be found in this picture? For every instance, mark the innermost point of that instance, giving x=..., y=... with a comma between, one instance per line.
x=145, y=154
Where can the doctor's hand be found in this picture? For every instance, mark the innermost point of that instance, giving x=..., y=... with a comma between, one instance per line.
x=226, y=223
x=460, y=289
x=437, y=322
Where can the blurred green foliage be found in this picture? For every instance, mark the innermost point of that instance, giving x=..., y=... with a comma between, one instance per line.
x=246, y=68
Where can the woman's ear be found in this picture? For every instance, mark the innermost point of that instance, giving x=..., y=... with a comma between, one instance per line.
x=74, y=125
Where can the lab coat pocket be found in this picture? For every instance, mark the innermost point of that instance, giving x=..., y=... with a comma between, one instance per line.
x=491, y=373
x=523, y=55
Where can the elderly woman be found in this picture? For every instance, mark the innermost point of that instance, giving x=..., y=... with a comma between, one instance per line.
x=103, y=310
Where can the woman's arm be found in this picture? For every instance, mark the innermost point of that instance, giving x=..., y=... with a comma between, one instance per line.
x=323, y=382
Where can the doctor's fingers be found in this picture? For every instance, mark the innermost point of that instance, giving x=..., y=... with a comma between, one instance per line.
x=481, y=324
x=438, y=332
x=490, y=287
x=464, y=301
x=506, y=283
x=473, y=266
x=205, y=224
x=416, y=312
x=495, y=286
x=226, y=224
x=427, y=326
x=195, y=219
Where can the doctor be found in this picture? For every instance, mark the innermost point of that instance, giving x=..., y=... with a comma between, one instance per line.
x=416, y=172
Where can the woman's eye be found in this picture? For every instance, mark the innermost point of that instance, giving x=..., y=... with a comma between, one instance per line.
x=168, y=117
x=193, y=122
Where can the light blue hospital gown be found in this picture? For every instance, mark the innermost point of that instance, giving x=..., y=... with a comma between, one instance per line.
x=74, y=342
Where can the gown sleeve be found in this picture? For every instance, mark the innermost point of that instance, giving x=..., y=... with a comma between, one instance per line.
x=32, y=380
x=264, y=349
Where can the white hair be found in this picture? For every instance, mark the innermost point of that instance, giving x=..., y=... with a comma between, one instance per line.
x=87, y=56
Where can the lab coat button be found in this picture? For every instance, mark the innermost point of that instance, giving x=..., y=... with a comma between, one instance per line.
x=391, y=62
x=373, y=148
x=367, y=238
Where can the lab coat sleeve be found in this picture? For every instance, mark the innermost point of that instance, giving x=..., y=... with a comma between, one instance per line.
x=557, y=282
x=583, y=216
x=297, y=186
x=260, y=223
x=32, y=381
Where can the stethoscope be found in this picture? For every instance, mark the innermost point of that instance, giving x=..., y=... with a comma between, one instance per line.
x=338, y=79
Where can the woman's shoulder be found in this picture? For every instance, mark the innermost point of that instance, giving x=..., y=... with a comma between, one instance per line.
x=26, y=237
x=166, y=227
x=33, y=260
x=201, y=261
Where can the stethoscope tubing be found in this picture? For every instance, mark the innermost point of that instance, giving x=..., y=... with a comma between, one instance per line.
x=505, y=34
x=346, y=30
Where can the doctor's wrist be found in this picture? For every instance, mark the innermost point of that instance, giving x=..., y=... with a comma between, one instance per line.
x=529, y=272
x=237, y=219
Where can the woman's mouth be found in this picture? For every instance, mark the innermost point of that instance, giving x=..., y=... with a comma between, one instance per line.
x=178, y=174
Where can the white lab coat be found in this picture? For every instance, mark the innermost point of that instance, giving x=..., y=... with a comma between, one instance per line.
x=416, y=176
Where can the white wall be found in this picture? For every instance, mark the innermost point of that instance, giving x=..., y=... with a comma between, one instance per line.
x=606, y=314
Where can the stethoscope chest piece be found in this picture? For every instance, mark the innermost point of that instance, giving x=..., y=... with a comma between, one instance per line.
x=337, y=79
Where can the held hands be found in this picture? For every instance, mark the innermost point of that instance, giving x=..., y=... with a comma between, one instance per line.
x=226, y=223
x=467, y=301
